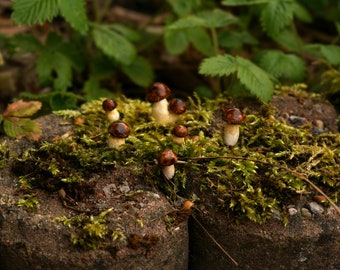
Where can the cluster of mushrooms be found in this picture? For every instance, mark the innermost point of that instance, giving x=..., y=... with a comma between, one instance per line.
x=167, y=112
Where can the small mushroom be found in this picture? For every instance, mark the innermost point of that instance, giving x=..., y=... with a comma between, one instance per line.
x=110, y=107
x=158, y=93
x=234, y=118
x=176, y=108
x=167, y=159
x=179, y=133
x=119, y=131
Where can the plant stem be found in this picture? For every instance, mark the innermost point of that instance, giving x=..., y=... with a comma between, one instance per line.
x=297, y=174
x=214, y=41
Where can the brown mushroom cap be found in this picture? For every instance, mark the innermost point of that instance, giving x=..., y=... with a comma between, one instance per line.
x=157, y=92
x=180, y=131
x=167, y=158
x=233, y=116
x=177, y=106
x=109, y=105
x=119, y=129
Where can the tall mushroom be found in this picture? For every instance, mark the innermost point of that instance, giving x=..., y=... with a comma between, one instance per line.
x=233, y=118
x=157, y=94
x=110, y=107
x=118, y=131
x=176, y=108
x=167, y=159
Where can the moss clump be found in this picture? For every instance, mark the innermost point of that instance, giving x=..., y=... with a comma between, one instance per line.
x=250, y=181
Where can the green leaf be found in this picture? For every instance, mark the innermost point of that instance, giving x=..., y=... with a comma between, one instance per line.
x=74, y=13
x=139, y=71
x=201, y=41
x=280, y=65
x=18, y=127
x=127, y=32
x=289, y=40
x=113, y=44
x=181, y=7
x=331, y=53
x=63, y=101
x=276, y=15
x=243, y=2
x=255, y=79
x=302, y=13
x=217, y=18
x=176, y=41
x=221, y=65
x=34, y=11
x=235, y=40
x=93, y=90
x=24, y=43
x=188, y=22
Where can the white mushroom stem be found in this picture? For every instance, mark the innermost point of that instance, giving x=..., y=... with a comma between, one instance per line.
x=115, y=142
x=168, y=171
x=160, y=111
x=173, y=117
x=179, y=140
x=231, y=134
x=112, y=115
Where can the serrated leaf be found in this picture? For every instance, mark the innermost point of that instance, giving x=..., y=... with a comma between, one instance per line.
x=34, y=11
x=127, y=32
x=188, y=22
x=176, y=41
x=74, y=13
x=243, y=2
x=139, y=71
x=276, y=15
x=18, y=127
x=280, y=65
x=288, y=40
x=255, y=79
x=63, y=101
x=331, y=53
x=113, y=44
x=217, y=18
x=22, y=108
x=201, y=41
x=221, y=65
x=302, y=13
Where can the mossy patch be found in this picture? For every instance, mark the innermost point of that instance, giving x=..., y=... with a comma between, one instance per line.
x=249, y=179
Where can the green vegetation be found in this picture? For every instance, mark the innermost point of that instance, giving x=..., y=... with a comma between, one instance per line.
x=247, y=46
x=29, y=201
x=264, y=171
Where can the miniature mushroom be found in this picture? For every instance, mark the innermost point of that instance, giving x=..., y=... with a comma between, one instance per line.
x=110, y=107
x=176, y=108
x=157, y=95
x=119, y=131
x=179, y=133
x=234, y=118
x=167, y=159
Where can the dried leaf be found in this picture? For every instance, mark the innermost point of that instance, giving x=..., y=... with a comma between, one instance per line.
x=16, y=127
x=22, y=108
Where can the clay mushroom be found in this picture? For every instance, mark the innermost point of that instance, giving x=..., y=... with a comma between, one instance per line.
x=158, y=93
x=166, y=160
x=179, y=133
x=119, y=131
x=110, y=107
x=233, y=118
x=176, y=108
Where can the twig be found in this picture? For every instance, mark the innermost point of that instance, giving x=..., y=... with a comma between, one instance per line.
x=297, y=174
x=213, y=239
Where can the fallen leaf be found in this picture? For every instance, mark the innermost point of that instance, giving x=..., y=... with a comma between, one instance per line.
x=22, y=108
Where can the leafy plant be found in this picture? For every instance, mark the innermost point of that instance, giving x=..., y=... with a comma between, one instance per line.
x=29, y=201
x=93, y=49
x=15, y=120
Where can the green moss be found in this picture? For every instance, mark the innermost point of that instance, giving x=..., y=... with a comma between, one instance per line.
x=4, y=154
x=250, y=182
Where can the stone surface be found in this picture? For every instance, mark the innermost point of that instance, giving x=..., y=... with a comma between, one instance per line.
x=34, y=240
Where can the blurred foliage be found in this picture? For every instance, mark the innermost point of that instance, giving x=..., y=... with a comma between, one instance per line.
x=83, y=50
